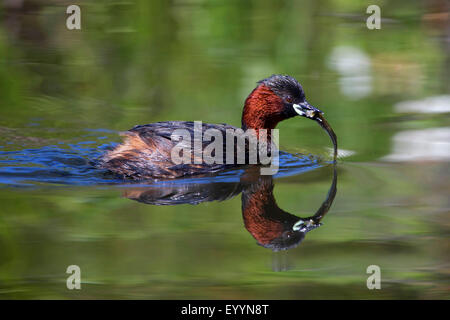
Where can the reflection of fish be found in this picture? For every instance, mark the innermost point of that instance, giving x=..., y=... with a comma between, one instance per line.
x=271, y=226
x=147, y=150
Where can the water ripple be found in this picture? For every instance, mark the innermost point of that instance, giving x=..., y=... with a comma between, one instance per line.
x=72, y=164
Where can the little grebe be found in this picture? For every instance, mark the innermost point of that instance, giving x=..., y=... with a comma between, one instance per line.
x=146, y=151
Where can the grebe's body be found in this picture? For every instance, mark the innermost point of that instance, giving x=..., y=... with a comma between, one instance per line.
x=146, y=152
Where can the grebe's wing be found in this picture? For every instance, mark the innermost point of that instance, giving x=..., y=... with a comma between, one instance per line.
x=146, y=151
x=165, y=129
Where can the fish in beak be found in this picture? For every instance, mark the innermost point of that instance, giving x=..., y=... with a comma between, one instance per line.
x=306, y=110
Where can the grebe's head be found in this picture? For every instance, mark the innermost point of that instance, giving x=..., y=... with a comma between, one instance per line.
x=276, y=98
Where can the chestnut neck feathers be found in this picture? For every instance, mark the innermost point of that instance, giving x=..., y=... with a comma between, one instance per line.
x=271, y=102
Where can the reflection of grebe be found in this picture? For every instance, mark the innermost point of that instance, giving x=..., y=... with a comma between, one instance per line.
x=146, y=152
x=271, y=226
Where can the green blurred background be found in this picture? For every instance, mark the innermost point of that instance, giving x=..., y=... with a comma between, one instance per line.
x=385, y=92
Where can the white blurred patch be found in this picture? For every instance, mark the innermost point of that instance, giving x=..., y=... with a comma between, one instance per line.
x=436, y=104
x=354, y=68
x=342, y=153
x=421, y=145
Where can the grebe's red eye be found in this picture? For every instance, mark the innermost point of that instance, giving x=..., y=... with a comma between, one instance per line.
x=289, y=99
